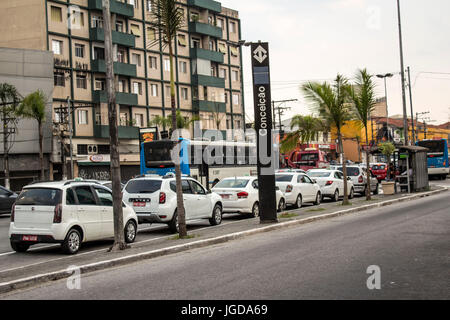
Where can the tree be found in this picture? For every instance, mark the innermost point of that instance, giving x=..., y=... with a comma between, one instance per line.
x=217, y=115
x=169, y=20
x=111, y=85
x=387, y=149
x=308, y=128
x=362, y=95
x=33, y=107
x=332, y=104
x=9, y=98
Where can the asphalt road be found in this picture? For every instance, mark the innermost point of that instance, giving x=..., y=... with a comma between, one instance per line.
x=328, y=259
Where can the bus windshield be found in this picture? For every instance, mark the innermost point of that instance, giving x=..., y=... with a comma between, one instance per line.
x=157, y=152
x=434, y=146
x=309, y=157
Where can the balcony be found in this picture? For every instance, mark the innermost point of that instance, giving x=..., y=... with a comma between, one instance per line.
x=208, y=81
x=205, y=29
x=122, y=98
x=102, y=132
x=120, y=38
x=206, y=4
x=117, y=7
x=209, y=106
x=122, y=69
x=197, y=53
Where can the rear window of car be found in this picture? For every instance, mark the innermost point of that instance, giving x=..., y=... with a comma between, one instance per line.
x=232, y=183
x=318, y=174
x=351, y=171
x=143, y=186
x=39, y=197
x=283, y=177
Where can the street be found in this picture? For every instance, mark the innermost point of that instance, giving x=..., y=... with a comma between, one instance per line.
x=409, y=242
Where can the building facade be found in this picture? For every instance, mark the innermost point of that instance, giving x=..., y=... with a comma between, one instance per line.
x=207, y=59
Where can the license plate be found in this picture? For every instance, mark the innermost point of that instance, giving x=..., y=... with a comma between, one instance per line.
x=139, y=204
x=29, y=238
x=225, y=196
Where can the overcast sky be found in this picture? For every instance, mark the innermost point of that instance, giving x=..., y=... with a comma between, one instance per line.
x=316, y=39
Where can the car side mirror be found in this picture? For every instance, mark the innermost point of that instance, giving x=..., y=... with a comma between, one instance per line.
x=349, y=179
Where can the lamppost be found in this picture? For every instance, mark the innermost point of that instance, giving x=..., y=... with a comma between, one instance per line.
x=384, y=76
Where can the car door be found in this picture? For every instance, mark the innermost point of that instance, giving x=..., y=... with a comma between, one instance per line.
x=312, y=190
x=339, y=179
x=7, y=199
x=305, y=187
x=105, y=199
x=89, y=213
x=203, y=202
x=189, y=198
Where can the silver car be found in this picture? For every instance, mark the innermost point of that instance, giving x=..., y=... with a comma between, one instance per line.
x=358, y=176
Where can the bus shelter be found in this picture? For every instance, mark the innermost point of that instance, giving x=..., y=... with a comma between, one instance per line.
x=412, y=164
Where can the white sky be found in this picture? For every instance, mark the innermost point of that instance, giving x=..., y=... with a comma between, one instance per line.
x=316, y=39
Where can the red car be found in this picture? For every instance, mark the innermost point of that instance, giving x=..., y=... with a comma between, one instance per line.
x=379, y=170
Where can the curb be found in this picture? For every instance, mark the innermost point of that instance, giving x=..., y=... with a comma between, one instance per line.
x=57, y=275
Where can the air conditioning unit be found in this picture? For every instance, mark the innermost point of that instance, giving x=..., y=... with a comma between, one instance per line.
x=92, y=149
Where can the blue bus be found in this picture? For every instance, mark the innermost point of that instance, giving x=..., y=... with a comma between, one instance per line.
x=437, y=157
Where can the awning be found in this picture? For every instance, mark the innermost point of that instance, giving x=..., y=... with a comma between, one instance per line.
x=234, y=51
x=222, y=48
x=135, y=30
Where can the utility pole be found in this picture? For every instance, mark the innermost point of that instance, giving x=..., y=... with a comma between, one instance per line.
x=280, y=111
x=418, y=114
x=69, y=108
x=7, y=118
x=411, y=103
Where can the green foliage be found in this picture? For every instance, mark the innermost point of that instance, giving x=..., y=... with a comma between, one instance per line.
x=182, y=122
x=387, y=149
x=9, y=97
x=169, y=19
x=308, y=130
x=33, y=106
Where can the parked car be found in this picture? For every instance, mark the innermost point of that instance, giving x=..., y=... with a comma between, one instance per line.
x=379, y=170
x=66, y=212
x=154, y=199
x=331, y=183
x=298, y=188
x=290, y=170
x=108, y=184
x=358, y=176
x=7, y=199
x=240, y=194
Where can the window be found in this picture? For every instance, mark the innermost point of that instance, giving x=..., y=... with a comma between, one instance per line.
x=235, y=75
x=70, y=197
x=77, y=19
x=137, y=88
x=234, y=51
x=135, y=3
x=184, y=93
x=194, y=17
x=185, y=186
x=79, y=50
x=100, y=84
x=136, y=59
x=183, y=67
x=139, y=117
x=82, y=117
x=81, y=81
x=211, y=45
x=222, y=73
x=105, y=197
x=135, y=30
x=99, y=53
x=167, y=92
x=198, y=189
x=182, y=40
x=166, y=64
x=123, y=119
x=195, y=43
x=154, y=89
x=233, y=27
x=103, y=149
x=59, y=78
x=222, y=48
x=57, y=46
x=97, y=22
x=151, y=34
x=121, y=54
x=220, y=23
x=82, y=149
x=153, y=63
x=122, y=85
x=56, y=14
x=85, y=196
x=119, y=26
x=235, y=99
x=149, y=5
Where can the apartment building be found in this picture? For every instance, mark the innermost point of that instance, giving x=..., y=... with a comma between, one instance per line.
x=207, y=58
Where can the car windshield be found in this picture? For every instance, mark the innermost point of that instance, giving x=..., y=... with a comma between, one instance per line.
x=283, y=177
x=319, y=174
x=379, y=167
x=143, y=186
x=351, y=171
x=232, y=183
x=39, y=197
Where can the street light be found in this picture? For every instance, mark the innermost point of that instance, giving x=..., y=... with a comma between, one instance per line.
x=384, y=76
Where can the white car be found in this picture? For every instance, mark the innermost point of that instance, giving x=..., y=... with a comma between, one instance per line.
x=298, y=188
x=331, y=183
x=359, y=177
x=154, y=199
x=66, y=212
x=240, y=194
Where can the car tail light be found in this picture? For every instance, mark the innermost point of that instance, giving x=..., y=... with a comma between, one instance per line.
x=289, y=188
x=329, y=183
x=13, y=211
x=242, y=195
x=162, y=198
x=57, y=217
x=360, y=179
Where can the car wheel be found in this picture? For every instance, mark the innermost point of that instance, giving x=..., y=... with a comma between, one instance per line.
x=130, y=232
x=281, y=205
x=255, y=210
x=19, y=246
x=352, y=193
x=336, y=196
x=216, y=218
x=318, y=199
x=377, y=189
x=173, y=224
x=72, y=243
x=298, y=202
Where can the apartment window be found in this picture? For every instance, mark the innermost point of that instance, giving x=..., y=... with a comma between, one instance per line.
x=121, y=54
x=211, y=20
x=182, y=40
x=57, y=46
x=222, y=48
x=195, y=43
x=222, y=73
x=234, y=51
x=82, y=117
x=225, y=97
x=59, y=79
x=139, y=117
x=122, y=85
x=151, y=34
x=194, y=17
x=167, y=92
x=82, y=149
x=137, y=88
x=220, y=23
x=97, y=22
x=135, y=3
x=99, y=53
x=233, y=27
x=211, y=45
x=77, y=19
x=153, y=63
x=149, y=5
x=56, y=14
x=154, y=89
x=136, y=59
x=235, y=99
x=123, y=119
x=237, y=124
x=119, y=26
x=103, y=149
x=235, y=75
x=135, y=30
x=166, y=65
x=79, y=50
x=184, y=93
x=100, y=84
x=81, y=81
x=183, y=67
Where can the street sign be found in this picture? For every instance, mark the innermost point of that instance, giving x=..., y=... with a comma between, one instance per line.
x=263, y=125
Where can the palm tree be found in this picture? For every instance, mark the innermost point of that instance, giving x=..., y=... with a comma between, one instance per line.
x=9, y=98
x=169, y=19
x=308, y=128
x=331, y=103
x=182, y=122
x=33, y=107
x=362, y=95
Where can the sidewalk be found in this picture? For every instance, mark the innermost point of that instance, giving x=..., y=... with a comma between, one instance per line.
x=23, y=272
